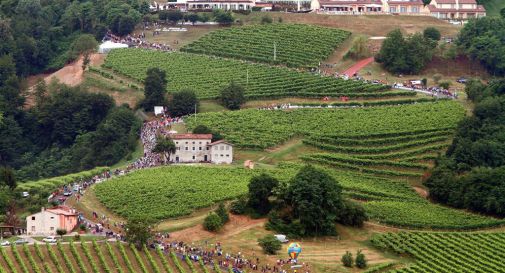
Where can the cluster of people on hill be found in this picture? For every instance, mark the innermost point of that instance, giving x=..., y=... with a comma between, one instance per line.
x=137, y=41
x=215, y=254
x=434, y=91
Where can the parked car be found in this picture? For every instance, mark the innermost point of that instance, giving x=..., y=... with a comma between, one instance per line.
x=25, y=194
x=67, y=193
x=159, y=246
x=21, y=241
x=50, y=239
x=462, y=80
x=5, y=243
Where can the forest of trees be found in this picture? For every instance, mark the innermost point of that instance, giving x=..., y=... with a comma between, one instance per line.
x=483, y=40
x=68, y=129
x=38, y=34
x=472, y=173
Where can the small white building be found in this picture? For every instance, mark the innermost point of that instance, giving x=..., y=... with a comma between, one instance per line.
x=47, y=221
x=191, y=148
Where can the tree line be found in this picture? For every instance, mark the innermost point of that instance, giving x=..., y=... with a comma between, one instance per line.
x=38, y=34
x=471, y=174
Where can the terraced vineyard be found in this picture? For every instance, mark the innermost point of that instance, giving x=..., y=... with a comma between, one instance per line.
x=447, y=252
x=208, y=75
x=91, y=258
x=405, y=153
x=296, y=45
x=258, y=129
x=179, y=190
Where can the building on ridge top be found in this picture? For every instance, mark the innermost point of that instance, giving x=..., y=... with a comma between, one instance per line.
x=193, y=148
x=441, y=9
x=456, y=9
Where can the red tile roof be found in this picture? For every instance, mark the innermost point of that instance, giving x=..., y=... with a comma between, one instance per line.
x=191, y=136
x=220, y=141
x=62, y=210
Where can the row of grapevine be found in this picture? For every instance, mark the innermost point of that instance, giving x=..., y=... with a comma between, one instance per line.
x=296, y=45
x=447, y=252
x=208, y=75
x=94, y=257
x=259, y=129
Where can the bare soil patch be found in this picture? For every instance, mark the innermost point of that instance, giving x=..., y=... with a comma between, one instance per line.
x=237, y=224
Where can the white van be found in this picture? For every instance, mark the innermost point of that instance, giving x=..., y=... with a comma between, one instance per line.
x=281, y=238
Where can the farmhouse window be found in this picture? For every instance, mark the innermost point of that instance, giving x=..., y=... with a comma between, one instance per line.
x=186, y=148
x=33, y=217
x=200, y=148
x=193, y=157
x=193, y=148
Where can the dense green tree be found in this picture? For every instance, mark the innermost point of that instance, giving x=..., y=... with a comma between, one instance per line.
x=270, y=244
x=212, y=222
x=352, y=214
x=260, y=190
x=405, y=55
x=472, y=173
x=232, y=96
x=193, y=17
x=432, y=33
x=482, y=40
x=164, y=146
x=7, y=177
x=359, y=48
x=315, y=198
x=347, y=259
x=183, y=103
x=155, y=85
x=61, y=232
x=426, y=2
x=502, y=13
x=223, y=17
x=138, y=232
x=361, y=261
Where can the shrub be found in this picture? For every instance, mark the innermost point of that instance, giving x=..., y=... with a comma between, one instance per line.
x=360, y=260
x=266, y=19
x=270, y=244
x=352, y=214
x=239, y=206
x=347, y=260
x=212, y=222
x=223, y=213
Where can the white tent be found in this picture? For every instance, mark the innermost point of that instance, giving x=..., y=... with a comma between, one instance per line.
x=108, y=46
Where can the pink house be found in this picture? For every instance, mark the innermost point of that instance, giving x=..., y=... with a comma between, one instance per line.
x=48, y=221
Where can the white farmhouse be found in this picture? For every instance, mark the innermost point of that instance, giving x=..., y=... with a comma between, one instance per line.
x=47, y=221
x=191, y=148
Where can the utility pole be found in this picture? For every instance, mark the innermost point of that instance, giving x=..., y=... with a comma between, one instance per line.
x=195, y=114
x=275, y=51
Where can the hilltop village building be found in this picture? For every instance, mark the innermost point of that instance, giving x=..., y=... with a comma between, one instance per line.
x=47, y=221
x=192, y=148
x=441, y=9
